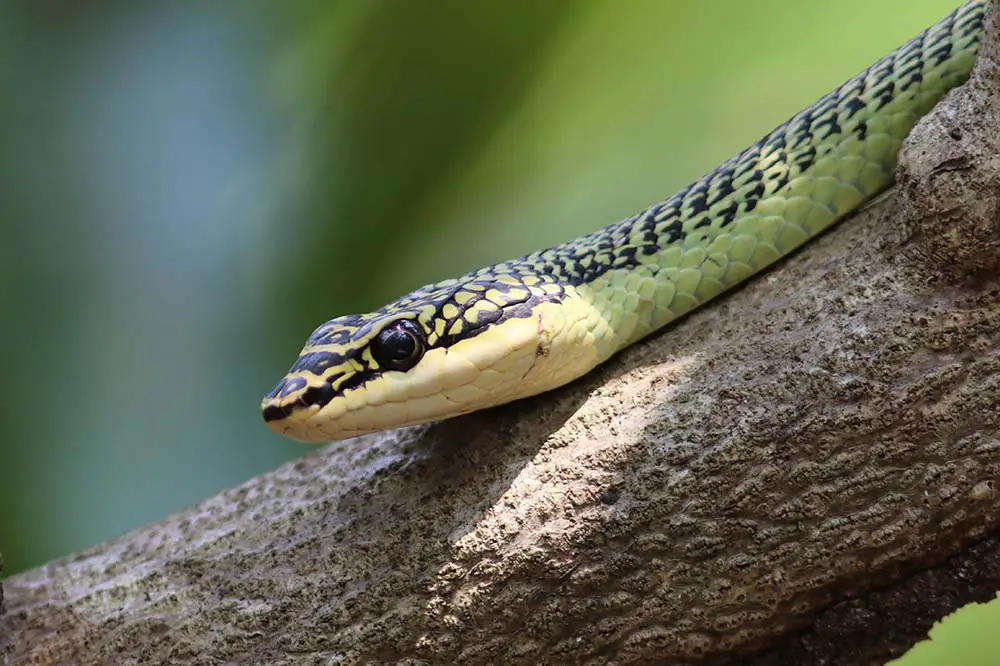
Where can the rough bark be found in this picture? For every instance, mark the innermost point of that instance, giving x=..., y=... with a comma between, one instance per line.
x=804, y=472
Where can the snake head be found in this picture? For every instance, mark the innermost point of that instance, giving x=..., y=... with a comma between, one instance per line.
x=446, y=350
x=337, y=363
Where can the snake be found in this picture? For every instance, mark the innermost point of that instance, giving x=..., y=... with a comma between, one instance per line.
x=529, y=325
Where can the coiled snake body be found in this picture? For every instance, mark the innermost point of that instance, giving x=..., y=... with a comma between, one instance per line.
x=525, y=326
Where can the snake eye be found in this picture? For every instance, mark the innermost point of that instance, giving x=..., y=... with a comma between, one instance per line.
x=399, y=346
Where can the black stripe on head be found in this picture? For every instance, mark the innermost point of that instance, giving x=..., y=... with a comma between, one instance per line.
x=317, y=362
x=339, y=331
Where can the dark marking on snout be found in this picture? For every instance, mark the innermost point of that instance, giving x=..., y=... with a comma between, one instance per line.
x=318, y=395
x=314, y=395
x=292, y=385
x=274, y=412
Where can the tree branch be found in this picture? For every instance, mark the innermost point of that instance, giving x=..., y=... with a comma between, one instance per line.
x=802, y=472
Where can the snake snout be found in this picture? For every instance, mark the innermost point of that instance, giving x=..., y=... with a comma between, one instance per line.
x=290, y=395
x=274, y=411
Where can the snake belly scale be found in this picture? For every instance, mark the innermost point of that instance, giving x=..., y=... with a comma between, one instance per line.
x=528, y=325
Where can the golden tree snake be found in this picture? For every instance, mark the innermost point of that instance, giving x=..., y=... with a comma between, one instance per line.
x=521, y=327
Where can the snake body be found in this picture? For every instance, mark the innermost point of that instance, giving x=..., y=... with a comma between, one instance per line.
x=528, y=325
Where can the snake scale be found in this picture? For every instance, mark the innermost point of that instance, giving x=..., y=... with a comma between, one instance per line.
x=528, y=325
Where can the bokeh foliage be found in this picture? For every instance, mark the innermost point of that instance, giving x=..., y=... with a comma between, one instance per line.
x=190, y=187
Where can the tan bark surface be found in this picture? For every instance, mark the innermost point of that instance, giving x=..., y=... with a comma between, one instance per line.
x=803, y=472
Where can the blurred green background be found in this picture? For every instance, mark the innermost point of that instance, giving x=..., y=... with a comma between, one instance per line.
x=189, y=187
